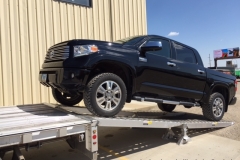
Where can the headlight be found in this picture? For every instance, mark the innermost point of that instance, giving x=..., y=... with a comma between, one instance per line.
x=82, y=50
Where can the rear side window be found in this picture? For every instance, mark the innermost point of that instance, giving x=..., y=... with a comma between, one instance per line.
x=184, y=54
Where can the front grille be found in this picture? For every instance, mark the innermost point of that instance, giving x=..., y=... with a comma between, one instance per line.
x=57, y=52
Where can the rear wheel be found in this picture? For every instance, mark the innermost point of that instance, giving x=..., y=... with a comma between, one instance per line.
x=215, y=108
x=166, y=107
x=66, y=99
x=105, y=95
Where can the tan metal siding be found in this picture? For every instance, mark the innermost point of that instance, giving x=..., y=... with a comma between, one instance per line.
x=15, y=52
x=29, y=27
x=6, y=54
x=1, y=71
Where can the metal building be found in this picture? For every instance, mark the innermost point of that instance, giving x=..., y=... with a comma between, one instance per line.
x=29, y=27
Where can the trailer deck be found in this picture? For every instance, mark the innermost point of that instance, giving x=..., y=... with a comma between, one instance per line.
x=32, y=124
x=22, y=125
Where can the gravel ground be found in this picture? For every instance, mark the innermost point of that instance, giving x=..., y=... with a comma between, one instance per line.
x=232, y=132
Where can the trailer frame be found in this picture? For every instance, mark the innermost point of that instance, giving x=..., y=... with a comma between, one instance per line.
x=27, y=126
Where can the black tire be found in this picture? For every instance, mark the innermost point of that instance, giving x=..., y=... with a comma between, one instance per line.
x=66, y=99
x=92, y=92
x=166, y=107
x=207, y=109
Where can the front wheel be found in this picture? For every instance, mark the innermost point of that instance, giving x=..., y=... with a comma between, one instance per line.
x=66, y=99
x=105, y=95
x=215, y=108
x=166, y=107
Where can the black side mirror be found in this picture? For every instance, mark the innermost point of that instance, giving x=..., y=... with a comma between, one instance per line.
x=152, y=46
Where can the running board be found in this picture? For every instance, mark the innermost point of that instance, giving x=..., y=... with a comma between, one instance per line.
x=148, y=99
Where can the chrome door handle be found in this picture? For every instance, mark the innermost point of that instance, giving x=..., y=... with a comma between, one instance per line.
x=201, y=71
x=142, y=59
x=171, y=64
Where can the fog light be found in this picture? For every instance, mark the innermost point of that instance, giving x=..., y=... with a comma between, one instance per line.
x=72, y=75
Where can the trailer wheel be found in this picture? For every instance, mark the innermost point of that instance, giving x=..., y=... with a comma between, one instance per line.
x=166, y=107
x=66, y=99
x=105, y=95
x=215, y=108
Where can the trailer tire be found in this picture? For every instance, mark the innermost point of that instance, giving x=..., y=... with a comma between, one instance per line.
x=215, y=108
x=66, y=99
x=105, y=95
x=166, y=107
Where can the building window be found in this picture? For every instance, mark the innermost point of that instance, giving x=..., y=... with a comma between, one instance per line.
x=87, y=3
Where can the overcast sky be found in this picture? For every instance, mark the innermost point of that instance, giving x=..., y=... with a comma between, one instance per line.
x=205, y=25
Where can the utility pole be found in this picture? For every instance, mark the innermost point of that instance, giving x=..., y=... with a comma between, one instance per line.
x=209, y=60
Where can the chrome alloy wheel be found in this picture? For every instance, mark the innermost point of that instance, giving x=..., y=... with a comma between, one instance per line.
x=108, y=95
x=217, y=107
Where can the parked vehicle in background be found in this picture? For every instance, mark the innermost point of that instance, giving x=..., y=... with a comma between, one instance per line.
x=237, y=73
x=144, y=68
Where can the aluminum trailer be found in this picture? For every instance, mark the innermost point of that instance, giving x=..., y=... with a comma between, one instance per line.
x=31, y=125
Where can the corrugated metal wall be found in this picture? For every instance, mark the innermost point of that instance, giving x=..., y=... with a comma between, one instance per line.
x=29, y=27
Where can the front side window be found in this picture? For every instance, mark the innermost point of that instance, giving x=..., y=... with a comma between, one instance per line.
x=184, y=54
x=165, y=51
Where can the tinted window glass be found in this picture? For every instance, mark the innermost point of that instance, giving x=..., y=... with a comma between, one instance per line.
x=184, y=54
x=165, y=51
x=78, y=2
x=130, y=40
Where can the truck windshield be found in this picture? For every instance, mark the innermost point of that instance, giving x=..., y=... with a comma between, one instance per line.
x=130, y=40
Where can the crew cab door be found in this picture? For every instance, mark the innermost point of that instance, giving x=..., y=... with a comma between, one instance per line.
x=191, y=76
x=155, y=74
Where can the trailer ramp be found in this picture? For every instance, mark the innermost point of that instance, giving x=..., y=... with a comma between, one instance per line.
x=24, y=125
x=135, y=119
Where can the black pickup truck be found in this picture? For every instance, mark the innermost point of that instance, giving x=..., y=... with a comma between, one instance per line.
x=143, y=68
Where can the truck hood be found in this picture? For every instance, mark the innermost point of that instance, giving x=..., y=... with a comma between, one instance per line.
x=89, y=41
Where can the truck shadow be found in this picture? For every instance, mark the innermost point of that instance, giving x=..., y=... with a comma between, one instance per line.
x=38, y=110
x=120, y=142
